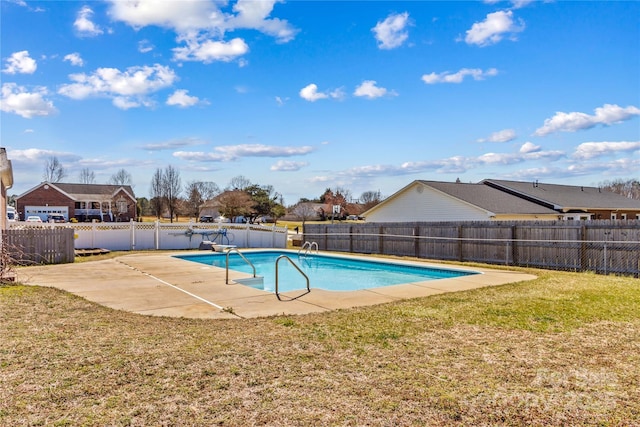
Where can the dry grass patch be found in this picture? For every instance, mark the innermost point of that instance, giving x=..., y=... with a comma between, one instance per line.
x=561, y=350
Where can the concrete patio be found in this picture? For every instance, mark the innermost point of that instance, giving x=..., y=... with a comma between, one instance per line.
x=161, y=285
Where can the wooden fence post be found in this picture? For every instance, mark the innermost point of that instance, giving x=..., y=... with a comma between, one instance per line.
x=351, y=239
x=460, y=257
x=583, y=247
x=514, y=245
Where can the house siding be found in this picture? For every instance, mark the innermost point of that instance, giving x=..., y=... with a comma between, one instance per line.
x=422, y=203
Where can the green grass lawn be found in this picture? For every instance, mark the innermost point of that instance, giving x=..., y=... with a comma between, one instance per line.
x=560, y=350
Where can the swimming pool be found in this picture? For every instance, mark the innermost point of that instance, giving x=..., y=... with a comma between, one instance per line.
x=333, y=273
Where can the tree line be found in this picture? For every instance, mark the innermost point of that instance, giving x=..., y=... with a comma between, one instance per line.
x=241, y=197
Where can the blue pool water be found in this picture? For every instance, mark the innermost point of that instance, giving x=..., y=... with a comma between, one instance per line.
x=324, y=271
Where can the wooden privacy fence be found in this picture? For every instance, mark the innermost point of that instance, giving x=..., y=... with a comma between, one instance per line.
x=601, y=246
x=39, y=245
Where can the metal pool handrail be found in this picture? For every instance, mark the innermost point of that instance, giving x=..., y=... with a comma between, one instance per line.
x=241, y=256
x=297, y=268
x=309, y=247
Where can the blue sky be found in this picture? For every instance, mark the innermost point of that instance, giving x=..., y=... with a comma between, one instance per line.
x=306, y=95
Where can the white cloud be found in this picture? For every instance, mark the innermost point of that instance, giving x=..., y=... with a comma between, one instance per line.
x=84, y=25
x=19, y=2
x=181, y=99
x=288, y=166
x=493, y=29
x=20, y=63
x=458, y=77
x=391, y=32
x=260, y=150
x=172, y=144
x=145, y=46
x=310, y=93
x=618, y=167
x=226, y=153
x=504, y=135
x=36, y=155
x=128, y=89
x=281, y=101
x=74, y=59
x=608, y=114
x=368, y=89
x=190, y=17
x=589, y=150
x=255, y=14
x=202, y=25
x=455, y=164
x=15, y=99
x=182, y=16
x=209, y=50
x=529, y=147
x=126, y=103
x=201, y=156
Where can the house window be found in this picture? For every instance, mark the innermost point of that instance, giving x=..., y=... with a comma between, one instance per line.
x=613, y=216
x=624, y=216
x=122, y=206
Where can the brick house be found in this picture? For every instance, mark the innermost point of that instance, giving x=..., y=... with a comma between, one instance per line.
x=84, y=202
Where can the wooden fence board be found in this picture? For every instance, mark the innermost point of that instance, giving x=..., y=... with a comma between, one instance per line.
x=39, y=245
x=602, y=246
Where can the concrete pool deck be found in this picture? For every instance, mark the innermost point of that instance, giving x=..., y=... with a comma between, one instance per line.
x=161, y=285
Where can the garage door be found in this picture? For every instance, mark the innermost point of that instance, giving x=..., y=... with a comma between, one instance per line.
x=44, y=211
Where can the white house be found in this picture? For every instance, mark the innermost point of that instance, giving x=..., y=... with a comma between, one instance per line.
x=435, y=201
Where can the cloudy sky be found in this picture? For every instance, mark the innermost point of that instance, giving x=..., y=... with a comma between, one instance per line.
x=306, y=95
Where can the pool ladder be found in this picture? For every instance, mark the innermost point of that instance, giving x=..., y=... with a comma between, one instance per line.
x=308, y=247
x=277, y=275
x=241, y=256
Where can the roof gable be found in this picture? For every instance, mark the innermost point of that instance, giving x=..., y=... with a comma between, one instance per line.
x=81, y=192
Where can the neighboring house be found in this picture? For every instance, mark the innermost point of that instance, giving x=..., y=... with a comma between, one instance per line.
x=570, y=201
x=210, y=208
x=6, y=182
x=435, y=201
x=84, y=202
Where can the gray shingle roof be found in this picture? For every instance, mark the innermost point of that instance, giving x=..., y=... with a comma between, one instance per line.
x=80, y=191
x=488, y=198
x=566, y=197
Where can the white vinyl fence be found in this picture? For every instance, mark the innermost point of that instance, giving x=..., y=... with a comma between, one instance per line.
x=126, y=236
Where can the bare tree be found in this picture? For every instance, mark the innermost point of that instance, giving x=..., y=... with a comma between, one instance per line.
x=370, y=198
x=629, y=188
x=157, y=200
x=53, y=170
x=197, y=193
x=305, y=211
x=122, y=177
x=87, y=176
x=239, y=183
x=171, y=188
